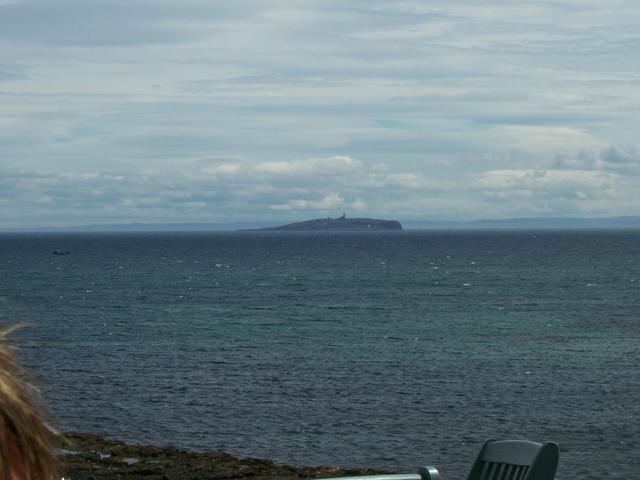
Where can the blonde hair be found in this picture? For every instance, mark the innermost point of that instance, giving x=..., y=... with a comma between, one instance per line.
x=26, y=441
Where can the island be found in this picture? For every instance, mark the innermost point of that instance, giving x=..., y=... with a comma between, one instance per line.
x=340, y=224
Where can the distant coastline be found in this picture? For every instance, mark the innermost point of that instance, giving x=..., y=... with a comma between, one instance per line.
x=536, y=223
x=340, y=224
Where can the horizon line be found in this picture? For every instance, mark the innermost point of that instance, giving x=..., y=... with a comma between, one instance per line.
x=624, y=221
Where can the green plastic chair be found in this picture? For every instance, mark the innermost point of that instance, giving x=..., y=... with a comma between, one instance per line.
x=497, y=460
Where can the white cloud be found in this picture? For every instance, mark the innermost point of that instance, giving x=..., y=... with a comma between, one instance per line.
x=223, y=169
x=547, y=139
x=329, y=202
x=312, y=166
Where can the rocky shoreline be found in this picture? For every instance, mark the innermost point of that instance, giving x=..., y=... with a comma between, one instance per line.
x=85, y=455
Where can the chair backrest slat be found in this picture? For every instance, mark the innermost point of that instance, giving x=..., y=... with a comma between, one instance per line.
x=508, y=474
x=517, y=472
x=492, y=471
x=523, y=472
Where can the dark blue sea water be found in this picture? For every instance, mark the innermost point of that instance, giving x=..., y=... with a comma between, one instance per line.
x=386, y=350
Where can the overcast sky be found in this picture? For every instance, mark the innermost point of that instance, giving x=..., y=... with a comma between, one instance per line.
x=214, y=111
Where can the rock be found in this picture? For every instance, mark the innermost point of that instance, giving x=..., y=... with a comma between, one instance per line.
x=89, y=454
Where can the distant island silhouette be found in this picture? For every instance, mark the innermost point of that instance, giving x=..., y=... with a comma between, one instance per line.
x=340, y=224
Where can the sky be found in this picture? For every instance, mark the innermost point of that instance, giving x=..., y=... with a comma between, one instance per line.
x=216, y=111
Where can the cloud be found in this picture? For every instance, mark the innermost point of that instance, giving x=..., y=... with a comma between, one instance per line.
x=623, y=160
x=116, y=23
x=223, y=169
x=545, y=139
x=231, y=189
x=571, y=184
x=328, y=202
x=313, y=166
x=165, y=110
x=11, y=73
x=309, y=186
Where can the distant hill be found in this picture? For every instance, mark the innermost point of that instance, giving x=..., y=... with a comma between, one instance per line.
x=341, y=224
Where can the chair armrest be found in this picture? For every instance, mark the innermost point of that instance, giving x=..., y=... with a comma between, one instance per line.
x=389, y=476
x=424, y=473
x=429, y=473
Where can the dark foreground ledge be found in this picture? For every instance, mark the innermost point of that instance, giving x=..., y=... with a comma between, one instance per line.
x=85, y=455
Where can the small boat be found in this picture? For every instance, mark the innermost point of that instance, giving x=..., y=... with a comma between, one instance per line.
x=60, y=252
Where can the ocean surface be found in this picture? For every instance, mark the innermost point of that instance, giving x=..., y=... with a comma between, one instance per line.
x=381, y=350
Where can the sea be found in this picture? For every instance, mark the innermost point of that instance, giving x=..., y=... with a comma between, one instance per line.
x=389, y=350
